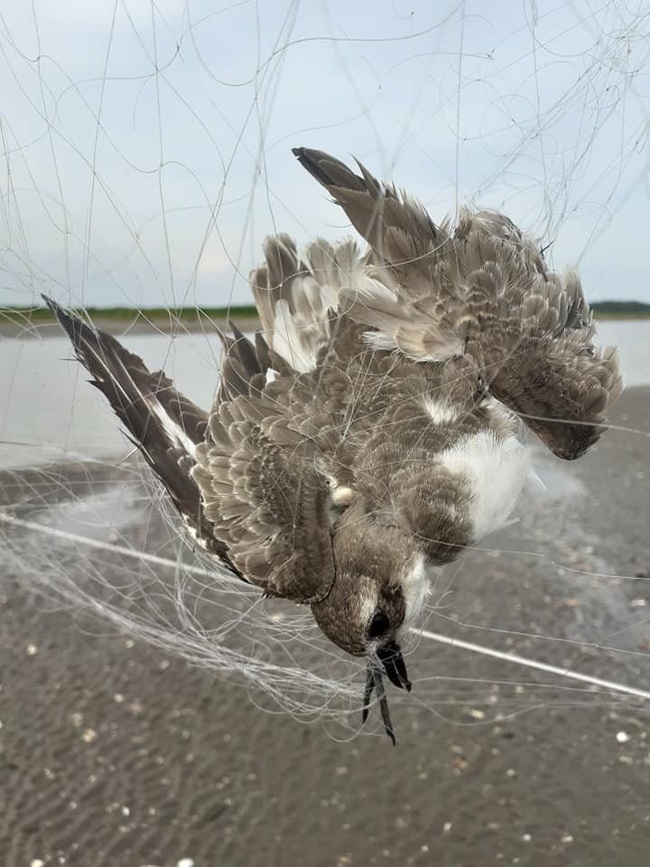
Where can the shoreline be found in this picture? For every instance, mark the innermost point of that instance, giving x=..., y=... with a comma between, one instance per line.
x=11, y=329
x=188, y=323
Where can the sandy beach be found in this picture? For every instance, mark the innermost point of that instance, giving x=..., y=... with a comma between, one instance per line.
x=115, y=754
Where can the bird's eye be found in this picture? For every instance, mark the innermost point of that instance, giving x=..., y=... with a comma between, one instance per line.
x=378, y=625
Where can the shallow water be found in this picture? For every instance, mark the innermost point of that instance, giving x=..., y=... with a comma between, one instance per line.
x=50, y=414
x=632, y=337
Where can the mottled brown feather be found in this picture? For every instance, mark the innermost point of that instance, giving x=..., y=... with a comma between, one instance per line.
x=482, y=290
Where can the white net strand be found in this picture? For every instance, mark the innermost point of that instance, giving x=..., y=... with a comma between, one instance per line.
x=148, y=172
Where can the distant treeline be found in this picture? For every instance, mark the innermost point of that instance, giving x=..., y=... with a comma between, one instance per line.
x=602, y=309
x=621, y=308
x=44, y=314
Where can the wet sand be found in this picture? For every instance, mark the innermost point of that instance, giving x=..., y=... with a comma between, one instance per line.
x=113, y=754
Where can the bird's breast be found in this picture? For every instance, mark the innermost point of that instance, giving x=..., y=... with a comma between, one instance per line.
x=495, y=467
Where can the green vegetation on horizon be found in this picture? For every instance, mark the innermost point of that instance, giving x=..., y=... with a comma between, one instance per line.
x=44, y=314
x=621, y=309
x=25, y=315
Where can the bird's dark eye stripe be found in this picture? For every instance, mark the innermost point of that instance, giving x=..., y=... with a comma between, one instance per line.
x=378, y=625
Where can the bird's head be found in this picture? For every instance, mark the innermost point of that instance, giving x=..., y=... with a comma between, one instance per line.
x=380, y=587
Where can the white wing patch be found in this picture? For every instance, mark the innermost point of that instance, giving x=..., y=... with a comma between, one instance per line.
x=288, y=339
x=176, y=435
x=497, y=469
x=379, y=340
x=416, y=589
x=407, y=340
x=299, y=336
x=438, y=411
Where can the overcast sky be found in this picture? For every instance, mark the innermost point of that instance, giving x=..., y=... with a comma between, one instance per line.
x=147, y=146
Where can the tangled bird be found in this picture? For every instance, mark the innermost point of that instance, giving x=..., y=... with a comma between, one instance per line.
x=372, y=429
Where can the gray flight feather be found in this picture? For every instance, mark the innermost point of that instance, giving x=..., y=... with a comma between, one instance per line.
x=164, y=425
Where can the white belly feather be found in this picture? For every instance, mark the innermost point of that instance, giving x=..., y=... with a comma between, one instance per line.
x=496, y=468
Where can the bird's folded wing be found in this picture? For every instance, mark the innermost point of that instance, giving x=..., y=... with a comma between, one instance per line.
x=531, y=335
x=262, y=490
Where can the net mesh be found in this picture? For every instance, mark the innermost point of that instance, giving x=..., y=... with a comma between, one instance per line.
x=156, y=710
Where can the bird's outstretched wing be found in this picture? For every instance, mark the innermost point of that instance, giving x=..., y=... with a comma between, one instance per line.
x=397, y=227
x=165, y=426
x=242, y=477
x=480, y=289
x=393, y=293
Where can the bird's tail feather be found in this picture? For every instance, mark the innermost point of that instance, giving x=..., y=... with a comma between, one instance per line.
x=295, y=296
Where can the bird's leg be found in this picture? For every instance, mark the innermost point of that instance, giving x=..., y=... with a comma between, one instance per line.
x=375, y=683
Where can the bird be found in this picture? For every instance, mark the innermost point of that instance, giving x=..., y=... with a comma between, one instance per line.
x=374, y=427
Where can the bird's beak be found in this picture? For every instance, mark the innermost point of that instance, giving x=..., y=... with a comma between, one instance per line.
x=390, y=656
